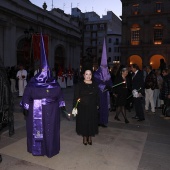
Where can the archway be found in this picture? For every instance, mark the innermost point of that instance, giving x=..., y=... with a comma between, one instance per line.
x=24, y=53
x=135, y=59
x=59, y=60
x=155, y=61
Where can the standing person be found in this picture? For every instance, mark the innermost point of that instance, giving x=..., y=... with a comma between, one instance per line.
x=138, y=85
x=87, y=117
x=12, y=76
x=121, y=92
x=22, y=76
x=42, y=99
x=156, y=94
x=103, y=79
x=162, y=64
x=70, y=75
x=150, y=85
x=6, y=102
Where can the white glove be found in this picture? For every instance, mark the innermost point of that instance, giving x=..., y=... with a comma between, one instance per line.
x=74, y=111
x=135, y=93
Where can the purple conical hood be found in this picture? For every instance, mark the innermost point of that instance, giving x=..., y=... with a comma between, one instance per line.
x=103, y=70
x=44, y=77
x=104, y=55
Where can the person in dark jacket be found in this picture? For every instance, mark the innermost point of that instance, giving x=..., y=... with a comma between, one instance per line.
x=87, y=118
x=121, y=93
x=150, y=85
x=138, y=88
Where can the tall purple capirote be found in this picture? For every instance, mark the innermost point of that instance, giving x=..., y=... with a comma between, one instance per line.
x=104, y=55
x=103, y=65
x=44, y=78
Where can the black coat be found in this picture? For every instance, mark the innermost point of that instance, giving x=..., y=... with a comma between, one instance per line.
x=138, y=82
x=87, y=117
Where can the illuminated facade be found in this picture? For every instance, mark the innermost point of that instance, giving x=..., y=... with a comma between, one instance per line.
x=145, y=32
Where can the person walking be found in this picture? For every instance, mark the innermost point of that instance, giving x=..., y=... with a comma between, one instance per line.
x=87, y=117
x=103, y=79
x=156, y=94
x=12, y=75
x=22, y=76
x=150, y=85
x=138, y=92
x=42, y=101
x=121, y=92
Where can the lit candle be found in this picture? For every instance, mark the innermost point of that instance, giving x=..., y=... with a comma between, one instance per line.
x=78, y=100
x=115, y=85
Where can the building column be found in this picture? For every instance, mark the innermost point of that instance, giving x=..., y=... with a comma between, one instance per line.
x=10, y=42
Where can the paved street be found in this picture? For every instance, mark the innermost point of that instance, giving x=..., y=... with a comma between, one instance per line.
x=134, y=146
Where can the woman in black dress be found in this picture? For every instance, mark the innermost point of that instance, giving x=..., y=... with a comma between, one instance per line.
x=87, y=117
x=121, y=92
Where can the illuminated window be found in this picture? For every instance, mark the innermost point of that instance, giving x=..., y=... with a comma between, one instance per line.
x=135, y=34
x=158, y=34
x=158, y=7
x=135, y=9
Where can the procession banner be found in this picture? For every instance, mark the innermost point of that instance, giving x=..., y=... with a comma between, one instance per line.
x=36, y=45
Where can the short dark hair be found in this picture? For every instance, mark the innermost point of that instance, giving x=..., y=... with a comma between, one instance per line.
x=149, y=66
x=135, y=66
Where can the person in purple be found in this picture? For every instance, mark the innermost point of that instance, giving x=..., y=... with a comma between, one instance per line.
x=103, y=79
x=42, y=101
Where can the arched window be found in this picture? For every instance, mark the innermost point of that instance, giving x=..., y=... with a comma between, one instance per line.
x=135, y=9
x=158, y=34
x=135, y=34
x=159, y=7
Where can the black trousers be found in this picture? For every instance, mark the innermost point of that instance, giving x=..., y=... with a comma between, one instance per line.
x=139, y=107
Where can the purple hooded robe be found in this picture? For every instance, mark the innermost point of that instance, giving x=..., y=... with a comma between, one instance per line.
x=103, y=79
x=42, y=98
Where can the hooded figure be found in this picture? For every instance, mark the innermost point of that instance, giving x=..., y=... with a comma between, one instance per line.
x=42, y=99
x=103, y=79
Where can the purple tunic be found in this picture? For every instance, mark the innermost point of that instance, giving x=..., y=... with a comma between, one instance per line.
x=102, y=81
x=50, y=144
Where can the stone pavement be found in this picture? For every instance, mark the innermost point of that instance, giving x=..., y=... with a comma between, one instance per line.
x=134, y=146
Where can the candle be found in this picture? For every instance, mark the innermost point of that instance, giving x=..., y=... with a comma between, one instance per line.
x=119, y=84
x=78, y=100
x=115, y=85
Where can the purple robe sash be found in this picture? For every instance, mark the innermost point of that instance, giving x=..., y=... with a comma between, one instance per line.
x=38, y=124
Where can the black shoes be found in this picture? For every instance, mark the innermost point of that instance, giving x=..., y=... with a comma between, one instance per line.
x=126, y=121
x=84, y=140
x=102, y=125
x=140, y=120
x=116, y=118
x=135, y=117
x=89, y=140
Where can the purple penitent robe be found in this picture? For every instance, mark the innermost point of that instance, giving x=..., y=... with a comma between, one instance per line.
x=102, y=82
x=45, y=101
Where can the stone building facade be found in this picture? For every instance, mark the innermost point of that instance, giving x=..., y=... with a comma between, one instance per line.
x=20, y=19
x=94, y=30
x=145, y=32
